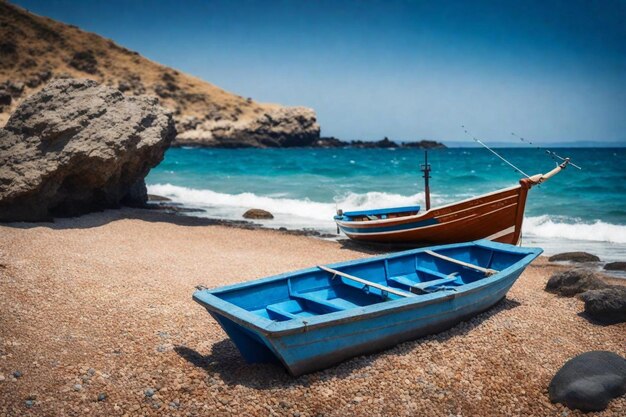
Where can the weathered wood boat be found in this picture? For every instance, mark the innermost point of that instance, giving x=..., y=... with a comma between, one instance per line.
x=313, y=318
x=495, y=216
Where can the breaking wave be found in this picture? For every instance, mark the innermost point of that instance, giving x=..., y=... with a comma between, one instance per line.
x=563, y=228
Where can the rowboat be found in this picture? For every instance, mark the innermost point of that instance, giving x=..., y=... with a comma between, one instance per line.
x=494, y=216
x=314, y=318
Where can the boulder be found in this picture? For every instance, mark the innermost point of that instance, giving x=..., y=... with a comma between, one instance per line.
x=589, y=381
x=257, y=214
x=77, y=146
x=615, y=266
x=607, y=306
x=574, y=281
x=574, y=257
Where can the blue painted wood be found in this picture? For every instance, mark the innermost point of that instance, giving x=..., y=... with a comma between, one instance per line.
x=378, y=212
x=308, y=320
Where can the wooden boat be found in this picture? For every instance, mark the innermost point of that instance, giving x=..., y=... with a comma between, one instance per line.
x=311, y=319
x=495, y=216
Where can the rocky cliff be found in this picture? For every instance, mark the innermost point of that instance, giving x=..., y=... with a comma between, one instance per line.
x=35, y=49
x=76, y=146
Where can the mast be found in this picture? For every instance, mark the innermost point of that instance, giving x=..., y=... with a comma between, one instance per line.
x=426, y=171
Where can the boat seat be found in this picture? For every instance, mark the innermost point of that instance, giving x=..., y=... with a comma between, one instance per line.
x=407, y=280
x=431, y=272
x=422, y=287
x=323, y=303
x=284, y=314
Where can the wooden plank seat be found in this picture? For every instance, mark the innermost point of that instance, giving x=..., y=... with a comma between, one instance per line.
x=421, y=287
x=424, y=286
x=322, y=303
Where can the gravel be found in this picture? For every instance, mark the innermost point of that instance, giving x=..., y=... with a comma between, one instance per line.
x=134, y=276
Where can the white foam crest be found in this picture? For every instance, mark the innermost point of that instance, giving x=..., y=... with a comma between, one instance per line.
x=548, y=227
x=281, y=205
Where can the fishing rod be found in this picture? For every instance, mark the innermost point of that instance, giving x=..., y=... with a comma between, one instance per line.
x=494, y=152
x=548, y=151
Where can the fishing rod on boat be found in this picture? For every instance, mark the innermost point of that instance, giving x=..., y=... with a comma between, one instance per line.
x=494, y=152
x=426, y=171
x=552, y=154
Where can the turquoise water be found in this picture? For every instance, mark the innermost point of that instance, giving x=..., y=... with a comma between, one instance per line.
x=583, y=209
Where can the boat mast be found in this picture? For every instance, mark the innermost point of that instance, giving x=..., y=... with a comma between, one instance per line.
x=426, y=171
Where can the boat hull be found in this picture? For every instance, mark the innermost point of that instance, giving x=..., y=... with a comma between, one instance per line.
x=496, y=216
x=304, y=346
x=321, y=348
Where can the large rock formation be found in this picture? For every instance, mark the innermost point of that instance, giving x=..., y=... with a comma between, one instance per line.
x=77, y=146
x=274, y=128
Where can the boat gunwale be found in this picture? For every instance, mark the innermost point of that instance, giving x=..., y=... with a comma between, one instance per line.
x=208, y=297
x=383, y=222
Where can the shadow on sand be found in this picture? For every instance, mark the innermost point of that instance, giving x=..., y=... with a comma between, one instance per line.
x=226, y=363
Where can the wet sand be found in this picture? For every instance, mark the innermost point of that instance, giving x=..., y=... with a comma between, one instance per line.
x=101, y=306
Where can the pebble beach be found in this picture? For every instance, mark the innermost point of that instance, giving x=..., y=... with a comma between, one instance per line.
x=97, y=319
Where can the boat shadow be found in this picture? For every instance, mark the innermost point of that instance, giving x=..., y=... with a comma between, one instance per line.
x=225, y=362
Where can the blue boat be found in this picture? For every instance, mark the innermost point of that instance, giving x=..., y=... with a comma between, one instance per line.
x=314, y=318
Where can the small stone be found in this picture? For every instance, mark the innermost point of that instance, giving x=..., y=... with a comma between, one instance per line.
x=78, y=387
x=615, y=266
x=29, y=403
x=149, y=392
x=174, y=404
x=91, y=371
x=257, y=214
x=102, y=396
x=17, y=374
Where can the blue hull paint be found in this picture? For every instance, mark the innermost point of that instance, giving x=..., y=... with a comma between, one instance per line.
x=309, y=342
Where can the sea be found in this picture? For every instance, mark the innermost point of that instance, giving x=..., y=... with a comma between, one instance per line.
x=578, y=209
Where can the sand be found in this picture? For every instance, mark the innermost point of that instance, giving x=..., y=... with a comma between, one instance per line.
x=96, y=314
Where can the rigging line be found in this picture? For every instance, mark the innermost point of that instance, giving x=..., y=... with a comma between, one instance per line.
x=548, y=151
x=495, y=153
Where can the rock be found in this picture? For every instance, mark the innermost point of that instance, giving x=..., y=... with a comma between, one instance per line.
x=589, y=381
x=383, y=143
x=17, y=374
x=154, y=197
x=574, y=257
x=29, y=403
x=606, y=305
x=102, y=396
x=615, y=266
x=574, y=281
x=76, y=147
x=257, y=214
x=279, y=127
x=149, y=392
x=77, y=387
x=424, y=144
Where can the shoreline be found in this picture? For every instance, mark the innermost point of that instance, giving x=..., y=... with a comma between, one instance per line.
x=165, y=205
x=101, y=304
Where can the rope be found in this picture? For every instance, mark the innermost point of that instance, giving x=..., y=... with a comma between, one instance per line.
x=495, y=153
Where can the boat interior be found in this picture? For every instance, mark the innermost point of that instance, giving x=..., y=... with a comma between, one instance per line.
x=379, y=214
x=326, y=290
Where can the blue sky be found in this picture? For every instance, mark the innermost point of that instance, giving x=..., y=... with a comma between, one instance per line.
x=548, y=70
